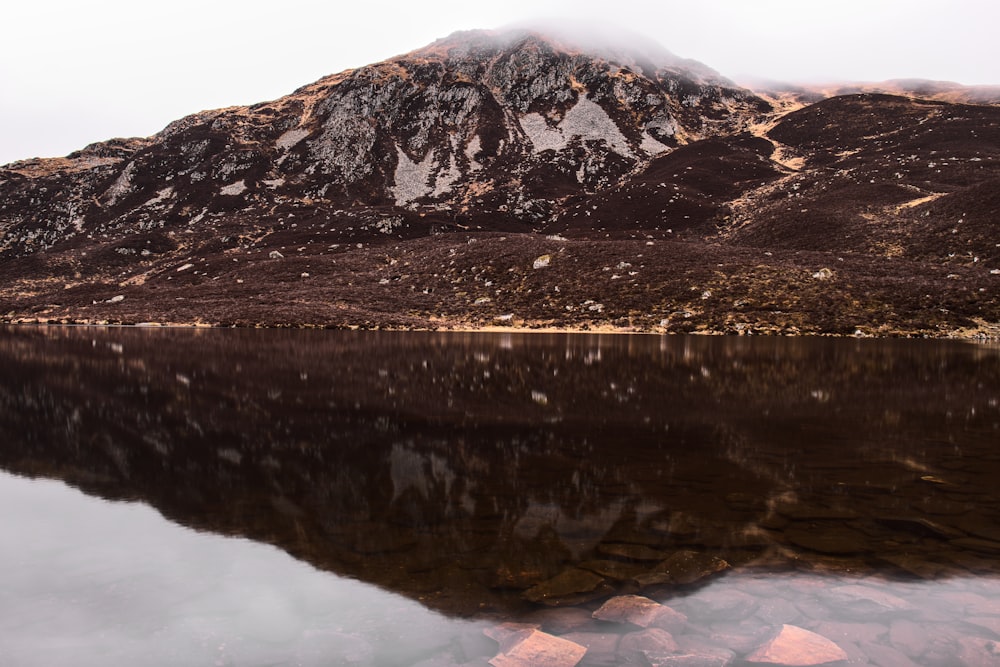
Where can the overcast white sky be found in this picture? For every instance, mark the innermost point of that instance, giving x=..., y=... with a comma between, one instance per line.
x=77, y=71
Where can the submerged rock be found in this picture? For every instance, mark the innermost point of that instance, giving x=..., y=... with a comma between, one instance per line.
x=697, y=658
x=798, y=647
x=505, y=631
x=866, y=601
x=684, y=567
x=602, y=647
x=652, y=641
x=571, y=586
x=534, y=648
x=560, y=620
x=978, y=652
x=715, y=605
x=641, y=611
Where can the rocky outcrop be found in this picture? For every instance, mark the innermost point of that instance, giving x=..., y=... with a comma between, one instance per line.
x=480, y=124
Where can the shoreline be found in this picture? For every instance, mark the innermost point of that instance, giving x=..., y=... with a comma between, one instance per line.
x=985, y=334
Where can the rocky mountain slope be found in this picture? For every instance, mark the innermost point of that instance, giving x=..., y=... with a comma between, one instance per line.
x=514, y=178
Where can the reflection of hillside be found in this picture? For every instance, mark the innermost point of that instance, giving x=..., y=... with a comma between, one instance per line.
x=463, y=469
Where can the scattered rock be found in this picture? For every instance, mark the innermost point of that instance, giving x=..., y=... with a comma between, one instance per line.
x=570, y=586
x=855, y=632
x=795, y=646
x=777, y=611
x=719, y=659
x=505, y=631
x=534, y=648
x=116, y=299
x=274, y=254
x=693, y=652
x=823, y=274
x=653, y=641
x=684, y=567
x=541, y=262
x=640, y=611
x=978, y=652
x=990, y=623
x=720, y=605
x=602, y=647
x=560, y=620
x=907, y=636
x=740, y=637
x=860, y=601
x=886, y=655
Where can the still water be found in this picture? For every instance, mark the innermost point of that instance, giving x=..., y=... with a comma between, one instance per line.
x=212, y=497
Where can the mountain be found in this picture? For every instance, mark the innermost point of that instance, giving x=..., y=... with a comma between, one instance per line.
x=515, y=177
x=926, y=89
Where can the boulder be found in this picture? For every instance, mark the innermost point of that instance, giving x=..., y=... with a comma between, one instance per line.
x=641, y=611
x=684, y=567
x=571, y=586
x=978, y=652
x=797, y=647
x=862, y=601
x=602, y=647
x=886, y=655
x=534, y=648
x=699, y=658
x=652, y=641
x=719, y=605
x=560, y=620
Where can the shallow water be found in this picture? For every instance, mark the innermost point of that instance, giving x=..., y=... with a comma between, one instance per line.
x=386, y=497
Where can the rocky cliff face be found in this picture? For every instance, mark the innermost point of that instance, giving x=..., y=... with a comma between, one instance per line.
x=486, y=133
x=489, y=128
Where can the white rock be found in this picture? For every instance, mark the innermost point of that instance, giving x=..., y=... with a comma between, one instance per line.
x=542, y=262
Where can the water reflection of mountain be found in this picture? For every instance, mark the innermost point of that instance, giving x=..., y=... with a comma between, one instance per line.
x=466, y=469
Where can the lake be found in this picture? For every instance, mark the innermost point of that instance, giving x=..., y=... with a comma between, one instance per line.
x=303, y=497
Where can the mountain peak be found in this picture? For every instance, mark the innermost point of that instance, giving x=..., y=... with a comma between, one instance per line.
x=619, y=46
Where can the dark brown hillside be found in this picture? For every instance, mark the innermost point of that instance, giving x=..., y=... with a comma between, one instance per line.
x=884, y=176
x=684, y=192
